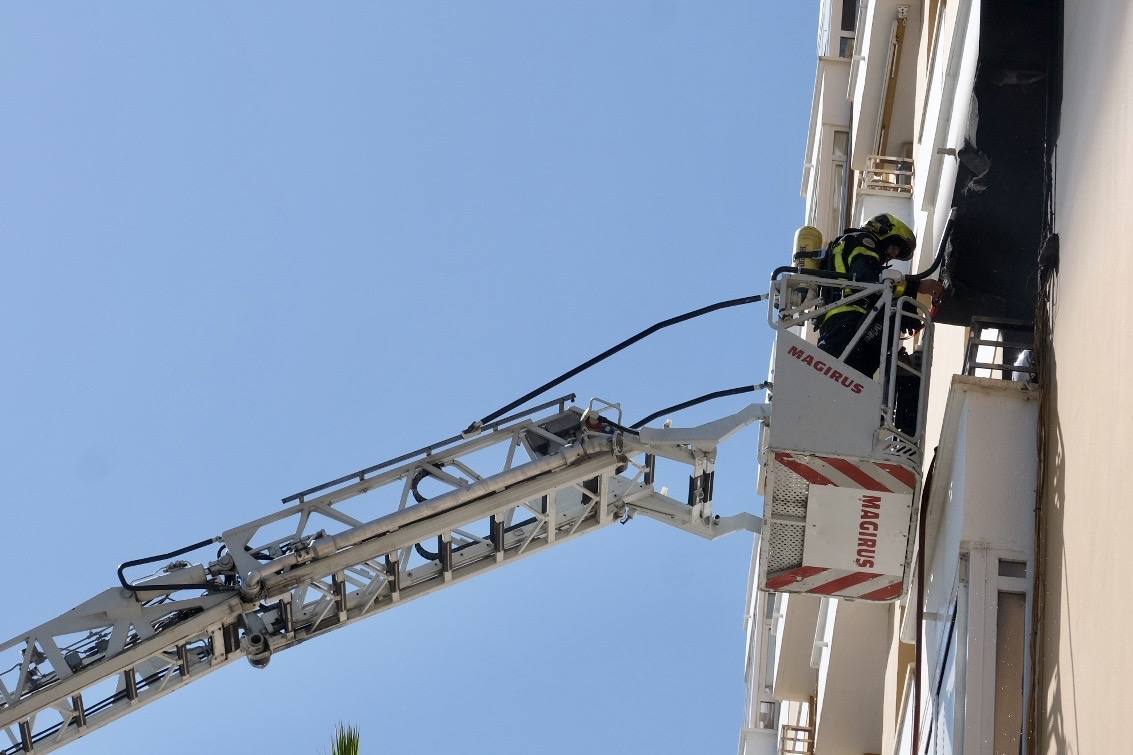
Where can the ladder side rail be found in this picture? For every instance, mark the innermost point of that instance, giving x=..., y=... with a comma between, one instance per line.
x=561, y=402
x=360, y=486
x=377, y=548
x=633, y=492
x=108, y=617
x=213, y=622
x=124, y=620
x=328, y=544
x=240, y=536
x=182, y=632
x=424, y=579
x=169, y=646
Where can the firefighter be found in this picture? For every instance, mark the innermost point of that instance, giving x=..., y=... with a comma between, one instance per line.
x=862, y=254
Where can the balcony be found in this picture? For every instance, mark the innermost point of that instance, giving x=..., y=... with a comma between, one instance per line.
x=979, y=559
x=887, y=176
x=796, y=740
x=885, y=185
x=1001, y=348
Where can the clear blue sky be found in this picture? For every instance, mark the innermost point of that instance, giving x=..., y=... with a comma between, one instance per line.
x=251, y=246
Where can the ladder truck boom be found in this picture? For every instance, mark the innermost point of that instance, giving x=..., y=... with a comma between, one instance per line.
x=348, y=549
x=840, y=468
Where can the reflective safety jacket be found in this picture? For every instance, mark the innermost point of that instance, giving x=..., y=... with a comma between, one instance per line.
x=857, y=254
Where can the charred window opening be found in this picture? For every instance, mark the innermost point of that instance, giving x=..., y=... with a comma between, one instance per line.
x=1003, y=192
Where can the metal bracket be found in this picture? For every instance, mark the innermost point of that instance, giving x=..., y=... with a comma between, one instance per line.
x=707, y=436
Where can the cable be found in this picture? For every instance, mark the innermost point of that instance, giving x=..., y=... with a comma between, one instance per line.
x=166, y=586
x=697, y=400
x=944, y=237
x=475, y=426
x=420, y=497
x=918, y=647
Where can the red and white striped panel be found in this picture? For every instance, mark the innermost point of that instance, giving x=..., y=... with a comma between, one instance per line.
x=885, y=477
x=815, y=580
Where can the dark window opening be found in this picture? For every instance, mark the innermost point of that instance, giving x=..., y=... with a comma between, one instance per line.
x=849, y=15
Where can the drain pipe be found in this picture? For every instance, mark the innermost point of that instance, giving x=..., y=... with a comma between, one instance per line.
x=918, y=661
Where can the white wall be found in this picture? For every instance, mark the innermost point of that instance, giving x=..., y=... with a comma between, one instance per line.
x=868, y=205
x=1089, y=658
x=850, y=720
x=981, y=505
x=794, y=678
x=874, y=33
x=949, y=344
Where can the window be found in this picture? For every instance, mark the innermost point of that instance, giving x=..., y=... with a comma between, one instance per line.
x=996, y=675
x=1010, y=640
x=849, y=15
x=838, y=183
x=846, y=47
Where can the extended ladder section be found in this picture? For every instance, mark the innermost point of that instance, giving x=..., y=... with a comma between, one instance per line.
x=346, y=550
x=841, y=455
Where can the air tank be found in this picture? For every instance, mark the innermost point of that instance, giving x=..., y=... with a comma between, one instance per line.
x=807, y=255
x=808, y=248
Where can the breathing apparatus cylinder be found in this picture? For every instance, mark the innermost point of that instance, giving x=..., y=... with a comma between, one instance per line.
x=808, y=248
x=808, y=255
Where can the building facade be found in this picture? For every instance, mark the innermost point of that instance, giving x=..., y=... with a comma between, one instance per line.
x=1000, y=131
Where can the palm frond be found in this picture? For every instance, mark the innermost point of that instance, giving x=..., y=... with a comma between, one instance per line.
x=345, y=740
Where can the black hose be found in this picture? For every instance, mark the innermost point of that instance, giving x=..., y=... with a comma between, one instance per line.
x=695, y=401
x=420, y=497
x=429, y=555
x=611, y=351
x=165, y=585
x=944, y=238
x=421, y=475
x=620, y=428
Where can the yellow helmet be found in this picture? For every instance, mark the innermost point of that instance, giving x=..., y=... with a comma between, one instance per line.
x=890, y=229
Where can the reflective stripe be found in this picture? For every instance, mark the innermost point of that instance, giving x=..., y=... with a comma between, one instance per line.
x=862, y=250
x=846, y=308
x=841, y=263
x=836, y=253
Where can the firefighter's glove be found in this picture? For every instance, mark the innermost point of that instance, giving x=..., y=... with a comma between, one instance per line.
x=933, y=288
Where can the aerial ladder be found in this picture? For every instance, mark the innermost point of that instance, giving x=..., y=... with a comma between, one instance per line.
x=503, y=489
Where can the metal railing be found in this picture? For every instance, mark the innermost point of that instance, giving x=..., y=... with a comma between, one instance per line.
x=796, y=740
x=887, y=175
x=797, y=299
x=1001, y=349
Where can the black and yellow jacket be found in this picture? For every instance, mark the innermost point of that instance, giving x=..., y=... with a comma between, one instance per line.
x=857, y=254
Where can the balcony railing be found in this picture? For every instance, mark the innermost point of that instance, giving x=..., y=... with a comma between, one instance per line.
x=1001, y=349
x=887, y=175
x=796, y=740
